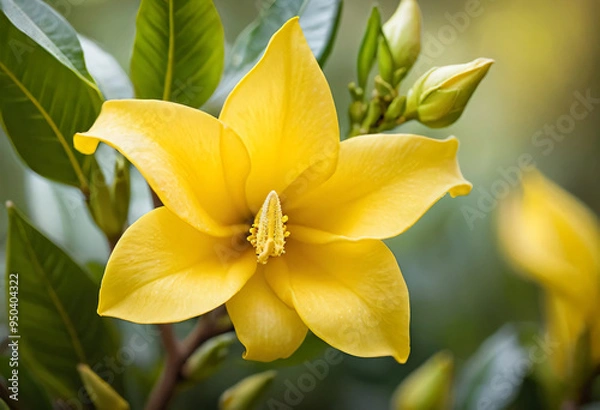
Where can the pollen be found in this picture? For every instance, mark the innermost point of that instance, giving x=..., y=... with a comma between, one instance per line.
x=268, y=232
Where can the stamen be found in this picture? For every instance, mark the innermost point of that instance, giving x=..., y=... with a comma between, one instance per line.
x=268, y=232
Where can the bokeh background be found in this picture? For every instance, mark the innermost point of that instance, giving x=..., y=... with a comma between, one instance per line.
x=547, y=57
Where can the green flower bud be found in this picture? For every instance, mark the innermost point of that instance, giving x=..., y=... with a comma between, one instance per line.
x=208, y=358
x=403, y=34
x=368, y=47
x=428, y=387
x=102, y=395
x=395, y=109
x=439, y=97
x=245, y=394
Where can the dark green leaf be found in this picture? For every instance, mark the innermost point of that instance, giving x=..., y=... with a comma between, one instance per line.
x=57, y=320
x=43, y=102
x=368, y=47
x=318, y=18
x=178, y=52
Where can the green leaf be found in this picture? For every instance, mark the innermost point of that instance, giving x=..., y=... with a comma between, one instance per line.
x=319, y=21
x=110, y=77
x=57, y=320
x=493, y=376
x=44, y=101
x=368, y=47
x=179, y=50
x=48, y=29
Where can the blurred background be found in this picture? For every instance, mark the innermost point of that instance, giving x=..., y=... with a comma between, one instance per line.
x=547, y=58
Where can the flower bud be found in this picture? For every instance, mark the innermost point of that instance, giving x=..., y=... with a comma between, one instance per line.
x=245, y=394
x=208, y=358
x=428, y=387
x=403, y=34
x=439, y=97
x=101, y=393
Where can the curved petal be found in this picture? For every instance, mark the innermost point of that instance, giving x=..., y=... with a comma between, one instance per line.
x=382, y=186
x=350, y=294
x=264, y=324
x=554, y=239
x=284, y=112
x=163, y=270
x=196, y=165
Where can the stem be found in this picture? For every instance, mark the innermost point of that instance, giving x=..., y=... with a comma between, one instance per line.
x=177, y=354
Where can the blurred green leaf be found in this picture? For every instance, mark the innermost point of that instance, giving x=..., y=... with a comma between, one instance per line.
x=102, y=394
x=31, y=394
x=3, y=405
x=110, y=77
x=43, y=99
x=368, y=47
x=245, y=394
x=319, y=20
x=179, y=50
x=58, y=324
x=493, y=376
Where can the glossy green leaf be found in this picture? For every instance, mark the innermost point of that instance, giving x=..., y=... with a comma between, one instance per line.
x=319, y=21
x=47, y=28
x=3, y=405
x=43, y=100
x=179, y=50
x=368, y=47
x=58, y=324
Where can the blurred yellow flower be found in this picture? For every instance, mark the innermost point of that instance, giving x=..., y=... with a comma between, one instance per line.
x=554, y=239
x=233, y=188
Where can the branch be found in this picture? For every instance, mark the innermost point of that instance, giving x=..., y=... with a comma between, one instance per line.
x=177, y=354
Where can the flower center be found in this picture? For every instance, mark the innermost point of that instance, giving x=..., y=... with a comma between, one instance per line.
x=268, y=231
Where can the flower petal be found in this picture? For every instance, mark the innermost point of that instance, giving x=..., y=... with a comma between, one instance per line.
x=382, y=186
x=163, y=270
x=350, y=294
x=264, y=324
x=196, y=165
x=284, y=112
x=554, y=239
x=565, y=326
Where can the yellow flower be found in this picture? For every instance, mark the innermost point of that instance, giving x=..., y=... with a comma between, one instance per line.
x=270, y=166
x=555, y=240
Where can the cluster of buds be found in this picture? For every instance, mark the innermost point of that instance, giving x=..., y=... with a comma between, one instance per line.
x=437, y=99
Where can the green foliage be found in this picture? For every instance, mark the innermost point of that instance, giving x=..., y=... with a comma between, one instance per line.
x=178, y=52
x=57, y=321
x=46, y=93
x=319, y=21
